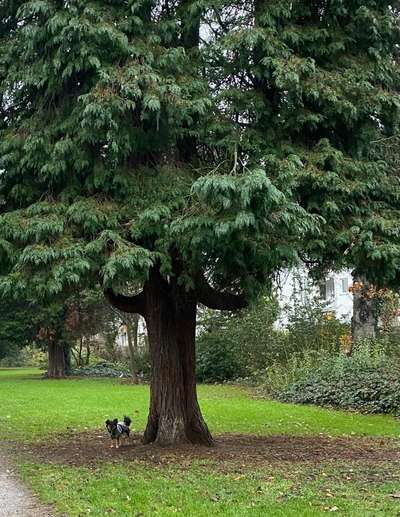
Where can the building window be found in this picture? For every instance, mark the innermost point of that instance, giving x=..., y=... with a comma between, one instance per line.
x=327, y=289
x=345, y=285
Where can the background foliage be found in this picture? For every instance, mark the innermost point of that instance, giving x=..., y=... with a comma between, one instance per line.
x=243, y=345
x=368, y=381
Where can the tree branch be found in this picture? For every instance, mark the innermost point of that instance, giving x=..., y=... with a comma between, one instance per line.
x=132, y=304
x=218, y=300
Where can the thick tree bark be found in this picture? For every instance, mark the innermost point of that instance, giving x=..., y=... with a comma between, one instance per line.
x=364, y=321
x=56, y=357
x=175, y=415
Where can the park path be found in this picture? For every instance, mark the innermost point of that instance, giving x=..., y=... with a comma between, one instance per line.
x=15, y=499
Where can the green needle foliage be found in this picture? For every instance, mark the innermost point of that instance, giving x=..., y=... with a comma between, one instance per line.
x=234, y=135
x=311, y=87
x=17, y=327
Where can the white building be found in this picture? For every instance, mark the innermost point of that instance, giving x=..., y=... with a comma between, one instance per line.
x=336, y=292
x=121, y=339
x=296, y=286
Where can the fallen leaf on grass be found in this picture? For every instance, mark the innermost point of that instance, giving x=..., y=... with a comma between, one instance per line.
x=395, y=495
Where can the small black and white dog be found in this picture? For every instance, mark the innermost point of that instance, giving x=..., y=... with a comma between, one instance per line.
x=118, y=429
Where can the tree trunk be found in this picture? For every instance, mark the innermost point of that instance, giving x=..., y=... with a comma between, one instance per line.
x=364, y=321
x=175, y=415
x=56, y=356
x=132, y=325
x=87, y=359
x=80, y=361
x=170, y=314
x=67, y=358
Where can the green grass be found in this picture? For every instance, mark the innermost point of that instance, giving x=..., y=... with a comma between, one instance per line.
x=32, y=408
x=201, y=492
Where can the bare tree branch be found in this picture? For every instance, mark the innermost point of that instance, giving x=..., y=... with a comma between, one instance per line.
x=132, y=304
x=218, y=300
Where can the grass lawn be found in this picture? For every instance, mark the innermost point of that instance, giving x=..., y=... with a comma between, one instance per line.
x=147, y=482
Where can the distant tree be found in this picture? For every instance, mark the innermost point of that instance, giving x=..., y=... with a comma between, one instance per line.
x=50, y=320
x=131, y=323
x=25, y=322
x=192, y=149
x=17, y=328
x=367, y=299
x=87, y=314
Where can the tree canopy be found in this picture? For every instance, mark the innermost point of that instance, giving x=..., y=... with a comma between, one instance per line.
x=133, y=127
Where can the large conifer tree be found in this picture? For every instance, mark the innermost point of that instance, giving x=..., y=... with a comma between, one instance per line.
x=181, y=152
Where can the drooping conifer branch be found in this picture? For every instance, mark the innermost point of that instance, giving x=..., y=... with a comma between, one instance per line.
x=132, y=304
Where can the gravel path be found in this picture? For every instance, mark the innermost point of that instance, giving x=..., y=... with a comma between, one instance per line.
x=15, y=499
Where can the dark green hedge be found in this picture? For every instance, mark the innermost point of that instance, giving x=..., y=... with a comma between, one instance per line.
x=348, y=385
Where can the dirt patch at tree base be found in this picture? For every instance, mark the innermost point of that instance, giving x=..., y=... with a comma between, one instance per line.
x=88, y=449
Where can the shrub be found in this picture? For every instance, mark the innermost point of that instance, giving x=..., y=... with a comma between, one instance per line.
x=28, y=356
x=280, y=374
x=102, y=369
x=216, y=359
x=310, y=326
x=243, y=345
x=143, y=364
x=369, y=382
